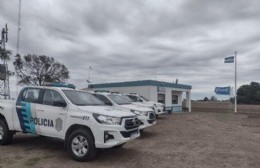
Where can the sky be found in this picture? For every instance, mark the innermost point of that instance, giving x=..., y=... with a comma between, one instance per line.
x=124, y=40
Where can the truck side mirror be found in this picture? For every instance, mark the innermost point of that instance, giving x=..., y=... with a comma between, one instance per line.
x=108, y=103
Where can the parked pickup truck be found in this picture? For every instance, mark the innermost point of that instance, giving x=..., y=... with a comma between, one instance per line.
x=137, y=99
x=80, y=119
x=145, y=115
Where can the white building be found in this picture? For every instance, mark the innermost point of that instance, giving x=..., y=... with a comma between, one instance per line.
x=170, y=94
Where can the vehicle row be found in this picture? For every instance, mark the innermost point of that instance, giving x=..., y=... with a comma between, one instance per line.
x=86, y=121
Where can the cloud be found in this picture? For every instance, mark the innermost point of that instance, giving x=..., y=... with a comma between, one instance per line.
x=133, y=40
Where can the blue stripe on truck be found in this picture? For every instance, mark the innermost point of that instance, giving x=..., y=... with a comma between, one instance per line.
x=24, y=115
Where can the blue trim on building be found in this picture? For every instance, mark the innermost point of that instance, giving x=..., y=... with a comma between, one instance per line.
x=173, y=109
x=142, y=83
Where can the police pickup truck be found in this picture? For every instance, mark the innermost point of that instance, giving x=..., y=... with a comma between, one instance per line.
x=145, y=115
x=80, y=119
x=137, y=99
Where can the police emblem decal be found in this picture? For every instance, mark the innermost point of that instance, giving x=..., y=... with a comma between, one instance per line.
x=58, y=124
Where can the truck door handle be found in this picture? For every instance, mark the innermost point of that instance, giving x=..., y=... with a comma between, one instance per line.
x=40, y=110
x=19, y=107
x=61, y=114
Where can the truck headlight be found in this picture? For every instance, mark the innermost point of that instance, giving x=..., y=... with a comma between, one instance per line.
x=139, y=112
x=109, y=120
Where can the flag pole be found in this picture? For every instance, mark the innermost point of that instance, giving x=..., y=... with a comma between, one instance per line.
x=89, y=73
x=235, y=81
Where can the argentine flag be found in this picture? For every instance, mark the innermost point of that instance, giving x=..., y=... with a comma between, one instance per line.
x=229, y=59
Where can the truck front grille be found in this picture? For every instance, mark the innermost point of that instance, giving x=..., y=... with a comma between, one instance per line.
x=150, y=121
x=132, y=123
x=152, y=116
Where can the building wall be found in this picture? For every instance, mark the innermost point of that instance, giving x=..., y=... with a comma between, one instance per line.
x=153, y=93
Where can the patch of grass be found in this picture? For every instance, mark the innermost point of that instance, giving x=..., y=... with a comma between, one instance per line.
x=35, y=160
x=6, y=161
x=29, y=149
x=47, y=156
x=223, y=116
x=32, y=161
x=18, y=157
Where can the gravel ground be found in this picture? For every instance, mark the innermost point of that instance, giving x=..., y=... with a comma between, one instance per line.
x=197, y=140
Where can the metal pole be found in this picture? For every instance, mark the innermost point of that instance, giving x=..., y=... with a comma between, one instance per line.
x=4, y=39
x=235, y=82
x=18, y=40
x=89, y=73
x=8, y=83
x=18, y=28
x=5, y=84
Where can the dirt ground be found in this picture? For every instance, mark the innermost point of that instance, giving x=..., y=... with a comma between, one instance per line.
x=185, y=140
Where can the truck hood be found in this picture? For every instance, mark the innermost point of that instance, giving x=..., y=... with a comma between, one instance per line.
x=152, y=103
x=106, y=110
x=135, y=107
x=143, y=104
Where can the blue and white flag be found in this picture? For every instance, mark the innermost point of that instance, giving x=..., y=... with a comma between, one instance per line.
x=223, y=90
x=229, y=59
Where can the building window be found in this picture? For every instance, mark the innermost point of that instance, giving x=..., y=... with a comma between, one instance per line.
x=161, y=98
x=174, y=99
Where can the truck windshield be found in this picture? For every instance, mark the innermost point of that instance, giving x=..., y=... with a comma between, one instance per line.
x=81, y=98
x=120, y=99
x=127, y=98
x=144, y=98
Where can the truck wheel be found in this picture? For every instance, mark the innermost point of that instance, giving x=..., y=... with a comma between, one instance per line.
x=81, y=145
x=6, y=136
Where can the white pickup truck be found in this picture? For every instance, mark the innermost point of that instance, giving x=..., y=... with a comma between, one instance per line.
x=137, y=99
x=145, y=115
x=84, y=122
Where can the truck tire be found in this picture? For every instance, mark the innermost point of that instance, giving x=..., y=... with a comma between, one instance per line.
x=6, y=137
x=81, y=145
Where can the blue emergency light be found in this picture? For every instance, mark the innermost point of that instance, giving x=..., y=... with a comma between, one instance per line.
x=60, y=84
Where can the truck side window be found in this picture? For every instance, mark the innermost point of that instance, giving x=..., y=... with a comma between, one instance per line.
x=51, y=96
x=31, y=95
x=103, y=99
x=134, y=98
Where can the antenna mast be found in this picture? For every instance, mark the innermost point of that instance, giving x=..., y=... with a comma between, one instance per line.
x=18, y=40
x=18, y=28
x=4, y=73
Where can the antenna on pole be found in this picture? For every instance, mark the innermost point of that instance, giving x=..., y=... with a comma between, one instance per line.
x=18, y=40
x=18, y=28
x=89, y=73
x=4, y=72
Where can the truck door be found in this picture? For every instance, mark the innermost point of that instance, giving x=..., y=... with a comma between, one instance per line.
x=26, y=104
x=51, y=114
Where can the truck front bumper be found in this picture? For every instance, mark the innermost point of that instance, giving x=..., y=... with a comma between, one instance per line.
x=146, y=122
x=110, y=136
x=159, y=111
